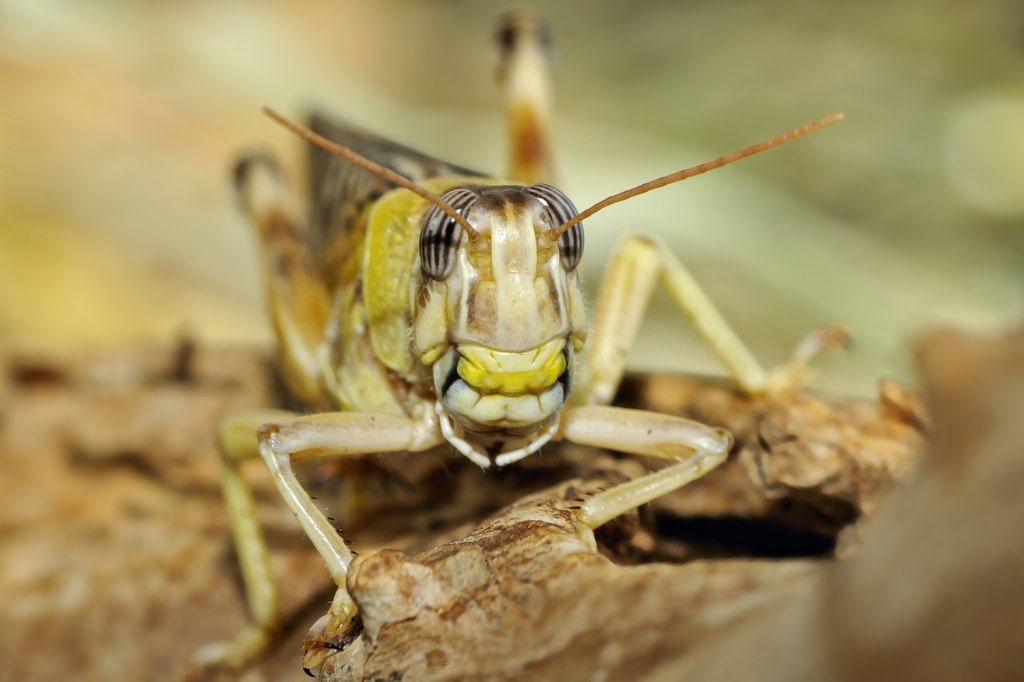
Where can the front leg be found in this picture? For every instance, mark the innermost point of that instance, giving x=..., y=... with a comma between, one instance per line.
x=637, y=265
x=694, y=448
x=287, y=438
x=328, y=435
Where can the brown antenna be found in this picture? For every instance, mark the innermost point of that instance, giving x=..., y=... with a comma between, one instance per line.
x=695, y=170
x=373, y=167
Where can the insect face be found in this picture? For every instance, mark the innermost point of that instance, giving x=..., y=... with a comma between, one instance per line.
x=500, y=315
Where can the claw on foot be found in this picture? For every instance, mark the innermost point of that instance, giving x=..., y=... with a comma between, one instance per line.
x=819, y=341
x=334, y=631
x=798, y=371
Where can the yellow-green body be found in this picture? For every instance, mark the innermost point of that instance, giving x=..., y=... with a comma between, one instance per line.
x=409, y=330
x=371, y=365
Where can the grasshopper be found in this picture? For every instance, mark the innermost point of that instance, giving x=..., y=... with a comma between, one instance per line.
x=427, y=304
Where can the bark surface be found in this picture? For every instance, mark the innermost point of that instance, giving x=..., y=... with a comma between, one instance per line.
x=828, y=547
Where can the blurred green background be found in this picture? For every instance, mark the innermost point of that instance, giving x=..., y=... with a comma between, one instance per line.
x=118, y=122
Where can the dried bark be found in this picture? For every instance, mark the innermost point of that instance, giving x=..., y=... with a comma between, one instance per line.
x=118, y=562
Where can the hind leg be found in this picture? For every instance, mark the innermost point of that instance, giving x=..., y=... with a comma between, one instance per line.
x=524, y=55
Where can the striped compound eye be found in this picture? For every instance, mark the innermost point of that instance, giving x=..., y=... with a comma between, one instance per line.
x=440, y=235
x=560, y=211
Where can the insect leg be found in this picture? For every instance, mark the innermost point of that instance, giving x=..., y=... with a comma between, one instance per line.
x=695, y=448
x=639, y=263
x=296, y=295
x=238, y=443
x=523, y=64
x=283, y=437
x=333, y=434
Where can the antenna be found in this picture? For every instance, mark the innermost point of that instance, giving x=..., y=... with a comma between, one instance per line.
x=556, y=232
x=373, y=167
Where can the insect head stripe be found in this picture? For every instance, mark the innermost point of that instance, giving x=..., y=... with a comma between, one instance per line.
x=560, y=211
x=440, y=235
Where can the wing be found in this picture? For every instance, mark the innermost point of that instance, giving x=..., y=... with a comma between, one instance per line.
x=340, y=190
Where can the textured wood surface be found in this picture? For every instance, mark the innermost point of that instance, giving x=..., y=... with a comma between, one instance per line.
x=118, y=562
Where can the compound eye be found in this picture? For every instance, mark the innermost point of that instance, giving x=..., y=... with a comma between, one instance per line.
x=440, y=235
x=560, y=211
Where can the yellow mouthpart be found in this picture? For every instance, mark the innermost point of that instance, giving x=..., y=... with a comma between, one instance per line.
x=493, y=371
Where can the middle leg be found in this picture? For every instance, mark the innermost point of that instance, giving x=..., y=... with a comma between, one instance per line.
x=641, y=262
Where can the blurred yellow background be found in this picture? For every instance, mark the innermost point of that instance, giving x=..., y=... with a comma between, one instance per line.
x=119, y=121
